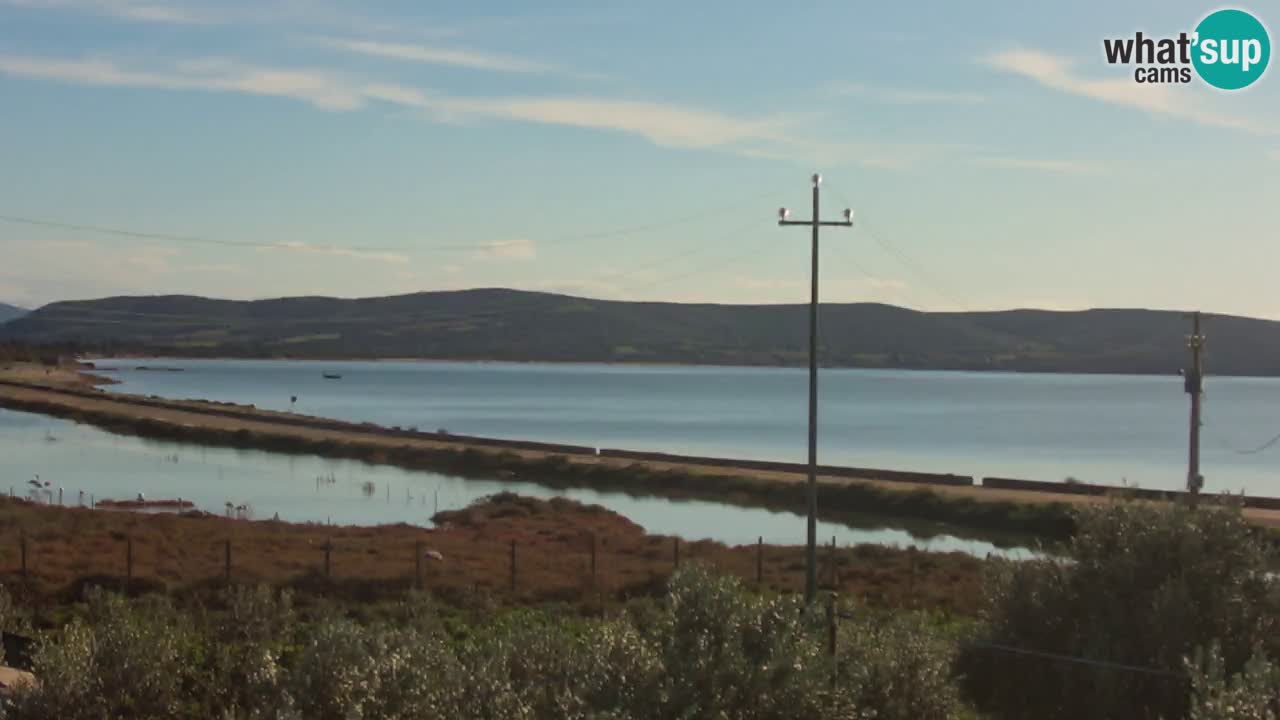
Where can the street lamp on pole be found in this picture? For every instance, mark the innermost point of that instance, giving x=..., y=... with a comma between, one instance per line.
x=811, y=546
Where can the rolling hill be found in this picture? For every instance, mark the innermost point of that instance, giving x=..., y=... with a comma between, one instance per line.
x=9, y=312
x=496, y=324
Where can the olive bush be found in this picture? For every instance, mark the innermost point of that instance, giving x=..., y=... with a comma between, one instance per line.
x=122, y=660
x=708, y=649
x=1251, y=694
x=901, y=666
x=1143, y=585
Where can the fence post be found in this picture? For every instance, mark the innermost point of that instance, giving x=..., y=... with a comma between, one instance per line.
x=513, y=566
x=911, y=579
x=227, y=562
x=676, y=553
x=831, y=636
x=23, y=544
x=834, y=572
x=831, y=624
x=328, y=548
x=128, y=563
x=417, y=564
x=759, y=562
x=593, y=559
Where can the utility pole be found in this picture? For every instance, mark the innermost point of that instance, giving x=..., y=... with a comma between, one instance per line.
x=1194, y=385
x=811, y=552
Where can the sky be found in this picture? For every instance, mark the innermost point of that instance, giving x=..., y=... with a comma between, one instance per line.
x=630, y=151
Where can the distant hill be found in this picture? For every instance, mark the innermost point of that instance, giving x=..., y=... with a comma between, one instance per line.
x=499, y=324
x=9, y=312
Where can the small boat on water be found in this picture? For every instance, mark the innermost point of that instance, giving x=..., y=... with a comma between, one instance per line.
x=331, y=376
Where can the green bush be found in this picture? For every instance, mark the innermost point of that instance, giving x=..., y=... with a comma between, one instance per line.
x=901, y=665
x=1251, y=694
x=708, y=650
x=124, y=660
x=1144, y=585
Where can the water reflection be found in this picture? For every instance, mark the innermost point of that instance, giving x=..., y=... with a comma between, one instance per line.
x=249, y=483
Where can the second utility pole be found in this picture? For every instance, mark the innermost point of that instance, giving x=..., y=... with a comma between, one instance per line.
x=1194, y=384
x=811, y=551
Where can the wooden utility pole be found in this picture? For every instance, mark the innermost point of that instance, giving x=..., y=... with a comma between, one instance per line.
x=1194, y=385
x=759, y=562
x=811, y=543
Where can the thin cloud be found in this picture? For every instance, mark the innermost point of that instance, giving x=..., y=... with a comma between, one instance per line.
x=905, y=96
x=1274, y=154
x=324, y=90
x=291, y=13
x=354, y=254
x=521, y=249
x=434, y=55
x=133, y=10
x=662, y=124
x=1167, y=100
x=1063, y=167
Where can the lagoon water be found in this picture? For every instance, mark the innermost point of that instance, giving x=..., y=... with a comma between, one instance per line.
x=79, y=458
x=1097, y=428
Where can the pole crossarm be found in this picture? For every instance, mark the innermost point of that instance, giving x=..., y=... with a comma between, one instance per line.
x=823, y=223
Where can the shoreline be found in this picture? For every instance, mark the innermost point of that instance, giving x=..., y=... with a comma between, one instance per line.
x=656, y=364
x=1014, y=513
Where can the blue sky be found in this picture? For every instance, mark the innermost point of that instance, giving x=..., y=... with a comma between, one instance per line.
x=634, y=151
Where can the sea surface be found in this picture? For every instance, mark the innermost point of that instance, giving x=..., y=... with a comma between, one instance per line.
x=1109, y=429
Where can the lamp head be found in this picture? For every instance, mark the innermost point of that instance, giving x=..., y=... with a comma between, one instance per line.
x=783, y=213
x=817, y=179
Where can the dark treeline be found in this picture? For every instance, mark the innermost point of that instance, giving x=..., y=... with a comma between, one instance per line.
x=42, y=353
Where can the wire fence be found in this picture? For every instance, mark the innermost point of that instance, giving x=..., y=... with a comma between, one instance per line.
x=519, y=552
x=369, y=563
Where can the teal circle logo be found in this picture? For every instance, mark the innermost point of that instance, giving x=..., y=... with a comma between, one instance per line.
x=1232, y=49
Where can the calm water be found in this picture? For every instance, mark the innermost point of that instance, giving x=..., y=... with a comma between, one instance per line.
x=1103, y=429
x=81, y=458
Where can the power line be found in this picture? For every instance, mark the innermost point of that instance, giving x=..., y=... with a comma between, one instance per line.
x=438, y=247
x=912, y=265
x=1253, y=451
x=1228, y=445
x=529, y=299
x=1101, y=664
x=120, y=232
x=711, y=266
x=660, y=224
x=1060, y=657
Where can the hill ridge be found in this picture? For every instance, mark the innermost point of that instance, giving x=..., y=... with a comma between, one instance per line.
x=523, y=325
